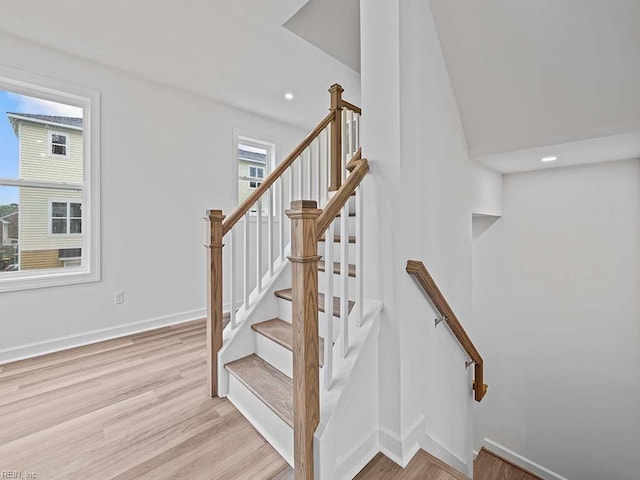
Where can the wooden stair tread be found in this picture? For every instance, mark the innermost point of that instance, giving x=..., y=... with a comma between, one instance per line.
x=281, y=332
x=338, y=239
x=336, y=268
x=267, y=383
x=287, y=295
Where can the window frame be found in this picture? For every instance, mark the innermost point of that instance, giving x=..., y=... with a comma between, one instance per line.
x=245, y=137
x=24, y=83
x=67, y=145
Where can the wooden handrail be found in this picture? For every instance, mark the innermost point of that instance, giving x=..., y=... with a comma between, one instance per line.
x=232, y=219
x=420, y=272
x=352, y=107
x=359, y=168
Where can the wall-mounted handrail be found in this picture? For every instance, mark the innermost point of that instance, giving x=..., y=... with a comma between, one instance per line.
x=420, y=272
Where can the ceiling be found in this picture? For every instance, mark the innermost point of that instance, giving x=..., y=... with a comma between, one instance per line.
x=541, y=77
x=236, y=52
x=550, y=77
x=338, y=35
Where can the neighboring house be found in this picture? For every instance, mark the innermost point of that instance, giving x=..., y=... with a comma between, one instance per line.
x=9, y=229
x=252, y=169
x=50, y=227
x=9, y=241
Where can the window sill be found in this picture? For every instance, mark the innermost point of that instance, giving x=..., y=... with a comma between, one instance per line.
x=31, y=279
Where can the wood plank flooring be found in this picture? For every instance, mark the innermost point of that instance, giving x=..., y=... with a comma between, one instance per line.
x=136, y=408
x=489, y=466
x=130, y=408
x=422, y=467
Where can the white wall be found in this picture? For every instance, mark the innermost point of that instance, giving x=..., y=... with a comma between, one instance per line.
x=557, y=306
x=418, y=206
x=487, y=191
x=166, y=158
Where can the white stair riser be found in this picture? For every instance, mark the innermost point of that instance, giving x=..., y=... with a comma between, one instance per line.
x=284, y=313
x=323, y=278
x=270, y=426
x=274, y=354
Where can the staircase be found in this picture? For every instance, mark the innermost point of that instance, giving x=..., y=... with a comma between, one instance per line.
x=292, y=280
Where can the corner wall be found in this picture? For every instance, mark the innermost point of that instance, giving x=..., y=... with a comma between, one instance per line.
x=166, y=159
x=557, y=307
x=418, y=198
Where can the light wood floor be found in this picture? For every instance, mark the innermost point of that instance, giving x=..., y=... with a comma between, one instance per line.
x=489, y=466
x=422, y=467
x=131, y=408
x=137, y=408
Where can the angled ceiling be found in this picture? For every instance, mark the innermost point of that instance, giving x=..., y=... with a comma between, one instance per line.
x=337, y=34
x=531, y=74
x=235, y=52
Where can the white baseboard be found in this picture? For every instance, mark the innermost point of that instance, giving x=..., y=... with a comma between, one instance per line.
x=402, y=449
x=521, y=461
x=349, y=464
x=36, y=349
x=435, y=448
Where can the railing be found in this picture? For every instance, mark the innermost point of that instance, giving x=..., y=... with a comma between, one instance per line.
x=308, y=225
x=315, y=167
x=420, y=272
x=304, y=180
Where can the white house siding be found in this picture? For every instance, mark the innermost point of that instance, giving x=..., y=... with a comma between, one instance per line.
x=243, y=171
x=38, y=248
x=37, y=164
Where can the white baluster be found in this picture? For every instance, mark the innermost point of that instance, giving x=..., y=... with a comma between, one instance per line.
x=232, y=278
x=328, y=307
x=308, y=172
x=300, y=178
x=327, y=164
x=270, y=229
x=357, y=132
x=245, y=280
x=359, y=258
x=280, y=219
x=259, y=245
x=344, y=278
x=350, y=138
x=318, y=170
x=345, y=145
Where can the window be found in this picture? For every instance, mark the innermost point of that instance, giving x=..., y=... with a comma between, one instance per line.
x=58, y=144
x=66, y=217
x=254, y=158
x=256, y=173
x=49, y=182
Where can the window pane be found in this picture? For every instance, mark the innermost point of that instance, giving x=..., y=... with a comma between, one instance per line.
x=58, y=150
x=58, y=139
x=58, y=226
x=40, y=140
x=76, y=225
x=76, y=210
x=58, y=209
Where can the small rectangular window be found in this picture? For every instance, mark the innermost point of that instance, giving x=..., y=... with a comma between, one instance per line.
x=58, y=144
x=66, y=217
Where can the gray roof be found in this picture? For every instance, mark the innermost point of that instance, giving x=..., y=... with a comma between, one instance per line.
x=71, y=121
x=252, y=156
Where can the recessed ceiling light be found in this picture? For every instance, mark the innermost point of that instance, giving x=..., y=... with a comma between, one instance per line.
x=549, y=159
x=288, y=96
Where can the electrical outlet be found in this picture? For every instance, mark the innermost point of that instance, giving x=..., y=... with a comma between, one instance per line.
x=119, y=297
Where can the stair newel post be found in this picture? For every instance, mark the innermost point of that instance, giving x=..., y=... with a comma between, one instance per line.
x=214, y=298
x=306, y=382
x=336, y=137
